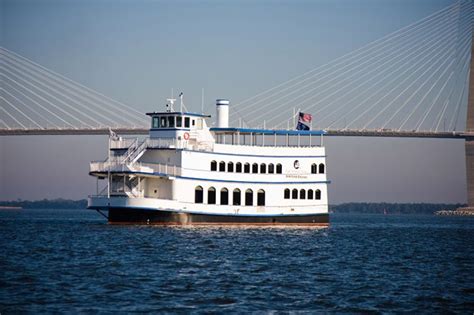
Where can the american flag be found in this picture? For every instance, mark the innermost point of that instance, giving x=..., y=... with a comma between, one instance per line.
x=305, y=117
x=304, y=121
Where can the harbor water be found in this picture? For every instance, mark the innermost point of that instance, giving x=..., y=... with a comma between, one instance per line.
x=73, y=261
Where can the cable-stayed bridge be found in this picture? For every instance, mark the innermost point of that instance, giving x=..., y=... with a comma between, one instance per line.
x=410, y=83
x=415, y=82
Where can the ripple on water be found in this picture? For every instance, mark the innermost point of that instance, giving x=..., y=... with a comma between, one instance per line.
x=54, y=261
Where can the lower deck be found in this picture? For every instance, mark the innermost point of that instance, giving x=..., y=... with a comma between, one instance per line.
x=154, y=204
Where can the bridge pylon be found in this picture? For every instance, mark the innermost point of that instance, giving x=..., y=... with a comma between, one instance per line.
x=469, y=139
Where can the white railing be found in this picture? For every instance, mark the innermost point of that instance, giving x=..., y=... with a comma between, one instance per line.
x=171, y=170
x=106, y=166
x=165, y=143
x=123, y=143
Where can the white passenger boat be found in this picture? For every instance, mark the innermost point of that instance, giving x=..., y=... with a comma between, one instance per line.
x=185, y=172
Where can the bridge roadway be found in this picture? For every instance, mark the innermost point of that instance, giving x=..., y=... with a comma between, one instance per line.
x=343, y=132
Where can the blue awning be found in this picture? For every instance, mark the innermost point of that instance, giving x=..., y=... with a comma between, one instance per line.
x=268, y=131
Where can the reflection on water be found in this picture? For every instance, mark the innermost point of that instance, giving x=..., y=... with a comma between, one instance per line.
x=71, y=260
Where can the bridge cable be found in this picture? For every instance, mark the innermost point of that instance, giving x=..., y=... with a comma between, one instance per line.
x=37, y=103
x=327, y=82
x=417, y=90
x=356, y=52
x=43, y=78
x=438, y=54
x=420, y=51
x=67, y=87
x=94, y=94
x=55, y=98
x=27, y=106
x=11, y=116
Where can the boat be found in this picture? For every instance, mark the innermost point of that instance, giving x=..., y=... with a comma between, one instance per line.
x=190, y=171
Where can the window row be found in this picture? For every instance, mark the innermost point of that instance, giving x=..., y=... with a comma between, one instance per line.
x=302, y=194
x=317, y=169
x=224, y=196
x=171, y=122
x=247, y=168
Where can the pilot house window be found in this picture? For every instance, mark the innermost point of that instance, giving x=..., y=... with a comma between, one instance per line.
x=171, y=121
x=186, y=122
x=163, y=122
x=179, y=121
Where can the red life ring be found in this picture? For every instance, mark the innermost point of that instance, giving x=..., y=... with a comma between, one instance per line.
x=186, y=136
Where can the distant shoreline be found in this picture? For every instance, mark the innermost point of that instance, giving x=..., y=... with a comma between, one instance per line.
x=10, y=208
x=352, y=207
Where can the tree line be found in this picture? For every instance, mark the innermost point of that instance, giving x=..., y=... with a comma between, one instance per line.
x=352, y=207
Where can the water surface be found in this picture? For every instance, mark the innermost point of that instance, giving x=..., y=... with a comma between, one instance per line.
x=71, y=260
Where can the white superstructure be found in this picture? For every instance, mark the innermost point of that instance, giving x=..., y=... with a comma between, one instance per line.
x=186, y=172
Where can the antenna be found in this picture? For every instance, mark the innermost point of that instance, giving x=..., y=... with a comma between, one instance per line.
x=181, y=102
x=171, y=104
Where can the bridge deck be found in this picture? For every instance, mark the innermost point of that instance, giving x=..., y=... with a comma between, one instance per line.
x=144, y=131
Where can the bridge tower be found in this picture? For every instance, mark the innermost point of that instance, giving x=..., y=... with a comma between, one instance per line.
x=469, y=144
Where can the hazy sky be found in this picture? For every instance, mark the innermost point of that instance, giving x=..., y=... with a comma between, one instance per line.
x=136, y=51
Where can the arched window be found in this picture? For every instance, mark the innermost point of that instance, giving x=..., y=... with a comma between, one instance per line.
x=213, y=166
x=246, y=168
x=230, y=167
x=287, y=194
x=302, y=194
x=249, y=197
x=261, y=197
x=317, y=194
x=222, y=166
x=198, y=194
x=279, y=168
x=271, y=168
x=238, y=167
x=263, y=168
x=321, y=168
x=310, y=194
x=314, y=168
x=255, y=168
x=224, y=196
x=211, y=196
x=294, y=194
x=236, y=197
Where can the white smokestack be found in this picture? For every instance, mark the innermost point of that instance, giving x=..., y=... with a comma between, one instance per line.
x=222, y=108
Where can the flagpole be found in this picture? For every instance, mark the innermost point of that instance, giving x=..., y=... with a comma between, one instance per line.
x=294, y=116
x=108, y=168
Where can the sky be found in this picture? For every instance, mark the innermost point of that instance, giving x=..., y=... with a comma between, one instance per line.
x=137, y=51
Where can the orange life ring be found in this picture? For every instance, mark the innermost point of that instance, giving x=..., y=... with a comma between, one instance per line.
x=186, y=136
